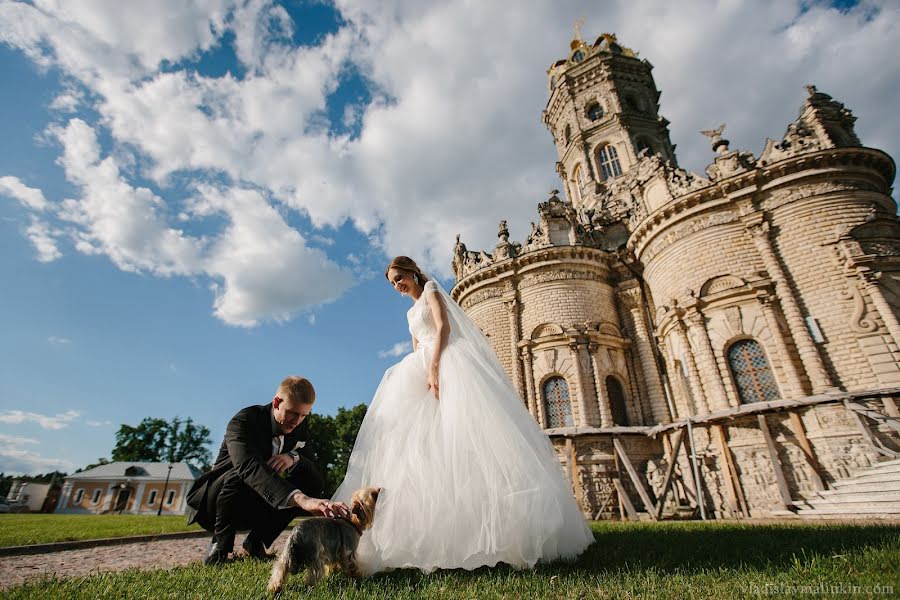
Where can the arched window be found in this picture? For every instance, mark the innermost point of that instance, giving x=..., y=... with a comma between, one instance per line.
x=609, y=162
x=567, y=134
x=79, y=496
x=752, y=374
x=594, y=112
x=557, y=404
x=616, y=401
x=576, y=184
x=643, y=144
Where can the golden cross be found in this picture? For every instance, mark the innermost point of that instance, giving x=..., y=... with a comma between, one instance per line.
x=578, y=25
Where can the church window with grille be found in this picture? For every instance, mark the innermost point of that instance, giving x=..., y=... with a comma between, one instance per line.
x=609, y=162
x=557, y=404
x=616, y=401
x=594, y=112
x=752, y=374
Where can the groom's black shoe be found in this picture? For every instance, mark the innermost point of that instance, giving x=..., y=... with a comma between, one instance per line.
x=216, y=553
x=254, y=548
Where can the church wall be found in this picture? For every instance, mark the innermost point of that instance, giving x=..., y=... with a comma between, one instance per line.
x=689, y=261
x=493, y=319
x=566, y=303
x=856, y=350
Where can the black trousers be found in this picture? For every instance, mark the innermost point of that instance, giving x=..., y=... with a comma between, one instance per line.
x=238, y=507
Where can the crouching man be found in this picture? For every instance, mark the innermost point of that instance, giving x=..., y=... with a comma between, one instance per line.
x=263, y=477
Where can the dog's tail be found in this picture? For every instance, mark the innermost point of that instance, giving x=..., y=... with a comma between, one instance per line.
x=281, y=568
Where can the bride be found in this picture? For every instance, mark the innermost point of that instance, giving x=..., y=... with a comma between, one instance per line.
x=468, y=477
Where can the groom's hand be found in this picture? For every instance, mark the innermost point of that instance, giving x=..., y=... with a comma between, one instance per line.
x=281, y=462
x=318, y=506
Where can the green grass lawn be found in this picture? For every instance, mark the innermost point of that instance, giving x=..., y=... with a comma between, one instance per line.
x=20, y=529
x=628, y=560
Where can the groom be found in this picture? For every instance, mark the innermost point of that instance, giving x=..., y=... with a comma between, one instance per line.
x=263, y=476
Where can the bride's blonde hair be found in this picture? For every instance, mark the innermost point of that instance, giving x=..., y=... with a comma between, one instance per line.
x=405, y=263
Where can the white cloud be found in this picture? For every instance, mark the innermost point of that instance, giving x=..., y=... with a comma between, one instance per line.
x=15, y=440
x=98, y=423
x=398, y=349
x=57, y=421
x=31, y=197
x=450, y=143
x=58, y=341
x=16, y=461
x=44, y=239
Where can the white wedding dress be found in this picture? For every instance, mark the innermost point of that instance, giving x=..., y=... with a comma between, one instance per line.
x=468, y=480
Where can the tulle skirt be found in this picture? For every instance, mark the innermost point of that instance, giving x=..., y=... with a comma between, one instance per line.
x=468, y=480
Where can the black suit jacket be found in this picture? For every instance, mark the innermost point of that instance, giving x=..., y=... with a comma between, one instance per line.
x=246, y=448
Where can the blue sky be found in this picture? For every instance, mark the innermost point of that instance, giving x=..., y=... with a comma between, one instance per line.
x=198, y=198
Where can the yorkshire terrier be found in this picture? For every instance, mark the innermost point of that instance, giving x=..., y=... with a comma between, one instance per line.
x=322, y=545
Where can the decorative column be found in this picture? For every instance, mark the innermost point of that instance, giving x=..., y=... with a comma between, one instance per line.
x=108, y=501
x=631, y=298
x=602, y=398
x=182, y=506
x=758, y=230
x=795, y=385
x=712, y=383
x=638, y=391
x=576, y=348
x=138, y=497
x=64, y=495
x=528, y=360
x=679, y=404
x=512, y=309
x=699, y=398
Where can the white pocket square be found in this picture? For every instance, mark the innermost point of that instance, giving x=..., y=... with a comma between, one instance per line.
x=298, y=445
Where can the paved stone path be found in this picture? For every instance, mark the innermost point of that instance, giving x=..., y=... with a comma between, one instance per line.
x=162, y=554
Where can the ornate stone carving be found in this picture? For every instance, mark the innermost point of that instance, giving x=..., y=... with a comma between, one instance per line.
x=505, y=249
x=858, y=320
x=881, y=248
x=792, y=194
x=480, y=296
x=545, y=330
x=684, y=229
x=630, y=297
x=550, y=356
x=720, y=284
x=545, y=276
x=466, y=261
x=734, y=320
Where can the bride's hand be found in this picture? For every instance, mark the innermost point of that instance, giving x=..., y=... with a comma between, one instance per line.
x=433, y=380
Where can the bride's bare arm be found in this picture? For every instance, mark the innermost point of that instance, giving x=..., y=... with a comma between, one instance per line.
x=442, y=337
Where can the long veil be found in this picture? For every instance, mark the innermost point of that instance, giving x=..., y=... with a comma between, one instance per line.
x=462, y=327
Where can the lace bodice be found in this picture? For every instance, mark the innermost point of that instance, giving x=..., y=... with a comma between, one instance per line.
x=421, y=323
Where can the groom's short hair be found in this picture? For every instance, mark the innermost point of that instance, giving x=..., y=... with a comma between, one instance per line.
x=296, y=390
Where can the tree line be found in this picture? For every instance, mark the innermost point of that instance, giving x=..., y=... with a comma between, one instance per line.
x=158, y=440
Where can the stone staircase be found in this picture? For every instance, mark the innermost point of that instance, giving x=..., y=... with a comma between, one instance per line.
x=872, y=493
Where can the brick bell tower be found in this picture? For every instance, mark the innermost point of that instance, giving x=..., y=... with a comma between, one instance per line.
x=603, y=115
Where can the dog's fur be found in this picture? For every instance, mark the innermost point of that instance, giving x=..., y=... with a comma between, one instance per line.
x=322, y=545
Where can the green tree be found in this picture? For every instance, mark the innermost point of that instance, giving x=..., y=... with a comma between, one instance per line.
x=331, y=440
x=158, y=440
x=346, y=424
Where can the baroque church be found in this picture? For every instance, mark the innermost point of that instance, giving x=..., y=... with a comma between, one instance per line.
x=718, y=346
